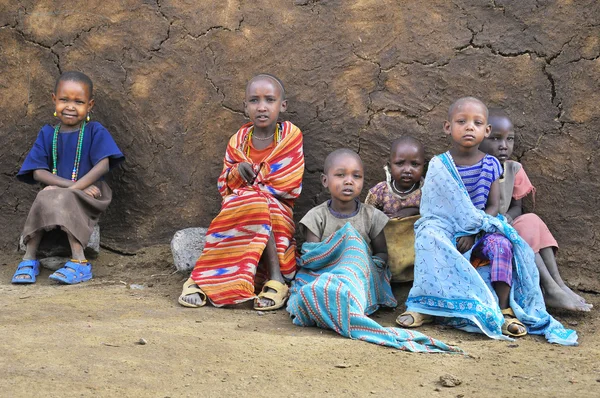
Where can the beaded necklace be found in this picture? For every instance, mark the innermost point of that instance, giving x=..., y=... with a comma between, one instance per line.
x=77, y=154
x=276, y=134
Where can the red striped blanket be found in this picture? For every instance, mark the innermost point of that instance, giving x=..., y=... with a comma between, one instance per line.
x=227, y=268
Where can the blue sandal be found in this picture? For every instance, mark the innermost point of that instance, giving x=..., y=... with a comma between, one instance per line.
x=73, y=272
x=30, y=268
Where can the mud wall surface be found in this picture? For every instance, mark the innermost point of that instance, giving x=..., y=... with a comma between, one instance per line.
x=169, y=81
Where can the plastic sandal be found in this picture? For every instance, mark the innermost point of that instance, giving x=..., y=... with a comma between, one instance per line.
x=73, y=272
x=30, y=268
x=190, y=287
x=279, y=296
x=511, y=319
x=418, y=319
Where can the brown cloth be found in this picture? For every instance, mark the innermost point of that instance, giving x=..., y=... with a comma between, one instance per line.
x=71, y=210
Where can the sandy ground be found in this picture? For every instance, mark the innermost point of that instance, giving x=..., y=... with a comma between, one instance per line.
x=83, y=340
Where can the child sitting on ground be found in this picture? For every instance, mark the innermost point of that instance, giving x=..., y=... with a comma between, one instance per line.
x=343, y=277
x=70, y=160
x=399, y=197
x=514, y=186
x=252, y=237
x=459, y=205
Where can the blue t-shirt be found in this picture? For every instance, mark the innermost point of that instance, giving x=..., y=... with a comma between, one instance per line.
x=97, y=145
x=479, y=178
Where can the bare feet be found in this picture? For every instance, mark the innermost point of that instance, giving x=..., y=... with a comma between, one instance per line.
x=558, y=298
x=575, y=296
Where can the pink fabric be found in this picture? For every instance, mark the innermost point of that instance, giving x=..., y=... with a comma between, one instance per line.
x=534, y=231
x=522, y=185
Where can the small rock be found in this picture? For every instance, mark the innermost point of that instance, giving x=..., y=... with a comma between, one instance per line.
x=135, y=286
x=342, y=365
x=142, y=341
x=186, y=246
x=449, y=380
x=512, y=345
x=573, y=323
x=53, y=263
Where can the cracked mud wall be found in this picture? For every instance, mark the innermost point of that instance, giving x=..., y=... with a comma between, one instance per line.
x=169, y=78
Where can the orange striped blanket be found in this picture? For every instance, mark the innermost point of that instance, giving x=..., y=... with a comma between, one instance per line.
x=227, y=268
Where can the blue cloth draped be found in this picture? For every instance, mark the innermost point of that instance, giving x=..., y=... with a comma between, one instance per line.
x=447, y=285
x=97, y=144
x=339, y=284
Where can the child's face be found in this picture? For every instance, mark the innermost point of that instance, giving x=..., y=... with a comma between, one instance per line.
x=468, y=126
x=345, y=178
x=501, y=141
x=407, y=162
x=263, y=103
x=72, y=102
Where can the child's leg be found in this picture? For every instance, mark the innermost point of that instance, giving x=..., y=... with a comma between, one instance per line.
x=32, y=245
x=271, y=260
x=498, y=249
x=554, y=295
x=76, y=248
x=547, y=254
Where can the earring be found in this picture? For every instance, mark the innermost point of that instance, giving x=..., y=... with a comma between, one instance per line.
x=55, y=115
x=87, y=119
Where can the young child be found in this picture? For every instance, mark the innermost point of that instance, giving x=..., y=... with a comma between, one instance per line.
x=459, y=205
x=399, y=197
x=343, y=277
x=70, y=160
x=254, y=231
x=515, y=185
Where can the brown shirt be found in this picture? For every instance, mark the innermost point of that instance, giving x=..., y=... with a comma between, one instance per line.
x=369, y=222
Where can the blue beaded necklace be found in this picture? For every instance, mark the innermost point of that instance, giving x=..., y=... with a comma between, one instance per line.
x=75, y=171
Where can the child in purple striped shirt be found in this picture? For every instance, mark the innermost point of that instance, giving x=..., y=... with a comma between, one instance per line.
x=467, y=126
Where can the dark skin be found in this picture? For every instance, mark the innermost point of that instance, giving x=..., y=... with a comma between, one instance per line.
x=263, y=103
x=344, y=179
x=406, y=165
x=72, y=103
x=467, y=126
x=500, y=143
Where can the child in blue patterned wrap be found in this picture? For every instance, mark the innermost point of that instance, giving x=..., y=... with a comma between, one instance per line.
x=467, y=127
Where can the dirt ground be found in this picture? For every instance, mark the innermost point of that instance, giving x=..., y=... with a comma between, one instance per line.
x=83, y=340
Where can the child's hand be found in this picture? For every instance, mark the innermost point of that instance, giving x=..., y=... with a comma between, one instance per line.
x=465, y=243
x=49, y=187
x=92, y=191
x=246, y=171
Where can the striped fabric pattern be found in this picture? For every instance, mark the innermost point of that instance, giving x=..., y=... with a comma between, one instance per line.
x=339, y=284
x=479, y=178
x=227, y=268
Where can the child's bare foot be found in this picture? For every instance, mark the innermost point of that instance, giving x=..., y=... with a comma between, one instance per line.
x=575, y=295
x=558, y=298
x=273, y=296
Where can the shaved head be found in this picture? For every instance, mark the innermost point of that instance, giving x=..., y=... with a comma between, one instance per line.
x=268, y=77
x=498, y=113
x=406, y=141
x=335, y=155
x=459, y=103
